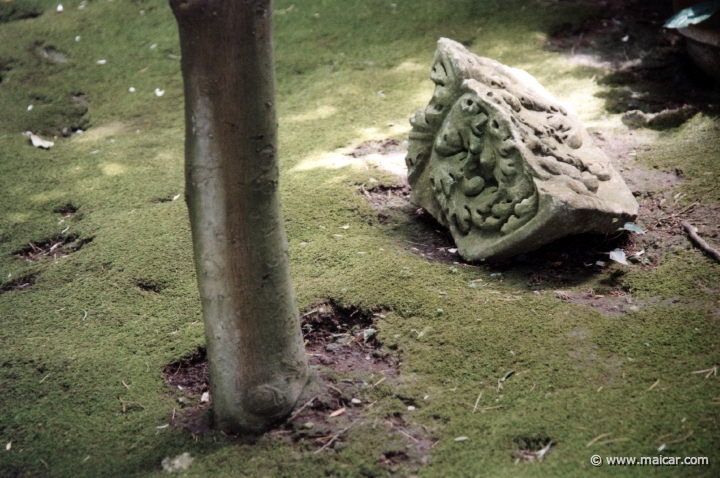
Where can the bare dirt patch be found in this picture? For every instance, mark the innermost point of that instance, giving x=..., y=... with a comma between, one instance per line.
x=10, y=11
x=6, y=66
x=402, y=456
x=17, y=284
x=387, y=146
x=53, y=247
x=150, y=285
x=428, y=238
x=612, y=303
x=190, y=376
x=530, y=449
x=425, y=237
x=344, y=340
x=384, y=197
x=164, y=199
x=67, y=210
x=49, y=53
x=347, y=362
x=622, y=149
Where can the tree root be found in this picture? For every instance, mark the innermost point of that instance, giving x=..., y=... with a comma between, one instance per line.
x=692, y=232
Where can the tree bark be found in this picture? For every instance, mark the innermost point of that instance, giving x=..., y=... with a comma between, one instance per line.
x=258, y=366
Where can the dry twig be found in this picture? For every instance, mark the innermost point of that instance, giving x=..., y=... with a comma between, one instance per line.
x=476, y=402
x=597, y=438
x=692, y=232
x=297, y=412
x=335, y=437
x=690, y=433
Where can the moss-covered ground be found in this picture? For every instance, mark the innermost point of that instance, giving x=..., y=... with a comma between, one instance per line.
x=82, y=348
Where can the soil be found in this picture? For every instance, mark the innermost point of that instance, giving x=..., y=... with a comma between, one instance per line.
x=387, y=146
x=20, y=283
x=614, y=303
x=346, y=362
x=189, y=374
x=55, y=247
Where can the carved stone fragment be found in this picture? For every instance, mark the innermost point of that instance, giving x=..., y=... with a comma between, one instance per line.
x=501, y=163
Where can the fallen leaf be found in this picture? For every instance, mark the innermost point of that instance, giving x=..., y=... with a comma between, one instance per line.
x=630, y=226
x=179, y=463
x=692, y=15
x=38, y=142
x=618, y=255
x=540, y=454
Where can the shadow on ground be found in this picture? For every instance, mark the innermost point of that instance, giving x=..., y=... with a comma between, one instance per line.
x=649, y=69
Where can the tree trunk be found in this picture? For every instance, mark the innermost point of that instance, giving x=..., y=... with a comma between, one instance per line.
x=257, y=360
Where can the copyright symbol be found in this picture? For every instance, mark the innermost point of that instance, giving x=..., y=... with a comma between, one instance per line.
x=595, y=460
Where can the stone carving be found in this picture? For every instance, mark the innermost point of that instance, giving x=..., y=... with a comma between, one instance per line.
x=501, y=163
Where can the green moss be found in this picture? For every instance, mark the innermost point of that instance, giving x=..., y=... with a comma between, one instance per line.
x=693, y=149
x=62, y=372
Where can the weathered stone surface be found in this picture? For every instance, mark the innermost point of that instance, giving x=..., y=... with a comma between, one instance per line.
x=501, y=163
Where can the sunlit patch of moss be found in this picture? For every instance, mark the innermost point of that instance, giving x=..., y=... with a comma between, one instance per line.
x=693, y=149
